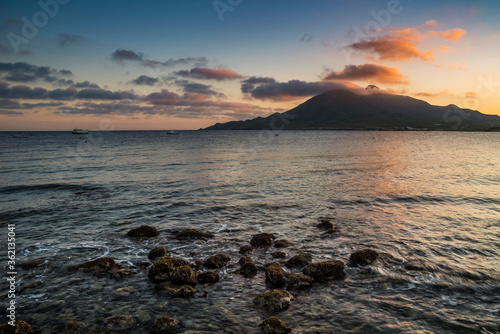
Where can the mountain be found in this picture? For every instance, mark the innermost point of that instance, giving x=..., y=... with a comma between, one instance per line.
x=343, y=109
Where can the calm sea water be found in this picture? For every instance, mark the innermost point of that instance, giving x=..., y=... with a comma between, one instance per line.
x=428, y=202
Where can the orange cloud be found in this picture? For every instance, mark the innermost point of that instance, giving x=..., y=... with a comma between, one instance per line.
x=402, y=43
x=372, y=72
x=425, y=94
x=471, y=95
x=449, y=35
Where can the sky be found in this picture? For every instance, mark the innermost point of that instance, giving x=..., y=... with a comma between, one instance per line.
x=187, y=64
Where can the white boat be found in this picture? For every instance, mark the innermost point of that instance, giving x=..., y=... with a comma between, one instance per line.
x=172, y=132
x=79, y=132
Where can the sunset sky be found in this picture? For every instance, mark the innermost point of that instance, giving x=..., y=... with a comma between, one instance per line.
x=189, y=64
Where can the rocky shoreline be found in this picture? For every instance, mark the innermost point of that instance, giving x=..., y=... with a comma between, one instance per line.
x=170, y=274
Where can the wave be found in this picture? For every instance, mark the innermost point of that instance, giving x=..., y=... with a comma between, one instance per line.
x=48, y=186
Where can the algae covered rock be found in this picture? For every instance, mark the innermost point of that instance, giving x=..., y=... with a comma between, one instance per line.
x=244, y=260
x=120, y=322
x=299, y=261
x=262, y=240
x=248, y=269
x=298, y=281
x=281, y=243
x=74, y=327
x=275, y=276
x=157, y=252
x=273, y=325
x=102, y=265
x=144, y=231
x=175, y=290
x=208, y=277
x=164, y=325
x=191, y=234
x=184, y=275
x=21, y=327
x=326, y=270
x=325, y=225
x=274, y=300
x=163, y=268
x=278, y=255
x=246, y=249
x=363, y=257
x=31, y=264
x=217, y=261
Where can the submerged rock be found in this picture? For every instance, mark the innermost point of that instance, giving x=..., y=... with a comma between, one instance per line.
x=31, y=264
x=208, y=277
x=102, y=265
x=217, y=261
x=191, y=234
x=246, y=249
x=163, y=268
x=326, y=225
x=262, y=239
x=326, y=270
x=278, y=255
x=298, y=281
x=74, y=327
x=176, y=291
x=273, y=325
x=275, y=276
x=299, y=261
x=121, y=273
x=120, y=322
x=363, y=257
x=183, y=275
x=282, y=243
x=143, y=264
x=144, y=231
x=164, y=325
x=248, y=269
x=244, y=260
x=273, y=300
x=157, y=252
x=21, y=327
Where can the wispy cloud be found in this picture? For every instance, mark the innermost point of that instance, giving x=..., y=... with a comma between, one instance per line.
x=121, y=55
x=209, y=74
x=145, y=80
x=65, y=39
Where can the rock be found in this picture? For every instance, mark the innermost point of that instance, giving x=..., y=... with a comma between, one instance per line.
x=299, y=261
x=163, y=268
x=120, y=322
x=176, y=291
x=124, y=292
x=217, y=261
x=325, y=225
x=191, y=234
x=143, y=264
x=278, y=255
x=273, y=300
x=103, y=265
x=74, y=327
x=164, y=325
x=157, y=252
x=208, y=277
x=281, y=243
x=275, y=276
x=248, y=269
x=246, y=249
x=298, y=281
x=244, y=260
x=22, y=327
x=199, y=264
x=326, y=270
x=31, y=264
x=363, y=257
x=183, y=275
x=273, y=325
x=143, y=232
x=121, y=273
x=262, y=239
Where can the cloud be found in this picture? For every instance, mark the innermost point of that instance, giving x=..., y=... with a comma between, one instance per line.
x=402, y=43
x=249, y=84
x=370, y=72
x=102, y=94
x=426, y=94
x=197, y=61
x=306, y=38
x=198, y=88
x=121, y=55
x=9, y=104
x=62, y=94
x=449, y=35
x=472, y=95
x=296, y=89
x=24, y=72
x=10, y=112
x=85, y=84
x=145, y=80
x=69, y=39
x=209, y=74
x=5, y=50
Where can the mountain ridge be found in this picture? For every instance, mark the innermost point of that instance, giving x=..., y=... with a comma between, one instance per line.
x=342, y=109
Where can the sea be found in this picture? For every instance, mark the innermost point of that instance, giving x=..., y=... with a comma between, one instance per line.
x=427, y=202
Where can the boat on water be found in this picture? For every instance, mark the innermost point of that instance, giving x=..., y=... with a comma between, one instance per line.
x=172, y=132
x=79, y=132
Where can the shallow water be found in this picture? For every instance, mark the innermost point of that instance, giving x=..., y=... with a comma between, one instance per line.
x=428, y=202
